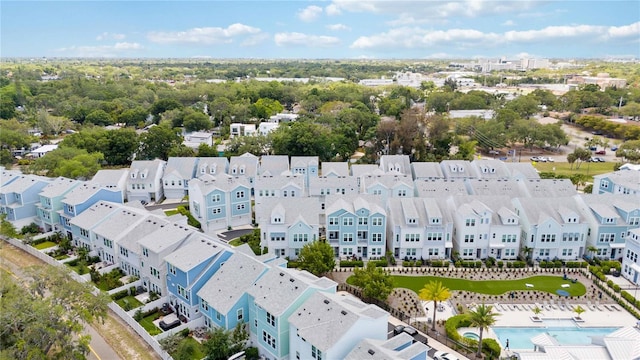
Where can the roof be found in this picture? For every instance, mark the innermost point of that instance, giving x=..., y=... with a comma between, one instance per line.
x=81, y=193
x=231, y=281
x=348, y=183
x=439, y=187
x=45, y=149
x=629, y=179
x=389, y=180
x=373, y=349
x=274, y=164
x=354, y=202
x=494, y=186
x=24, y=183
x=279, y=288
x=499, y=206
x=249, y=161
x=220, y=164
x=59, y=186
x=304, y=161
x=146, y=168
x=457, y=169
x=306, y=209
x=224, y=182
x=523, y=170
x=548, y=187
x=193, y=253
x=395, y=164
x=358, y=170
x=491, y=169
x=166, y=235
x=7, y=176
x=94, y=214
x=538, y=210
x=335, y=168
x=427, y=170
x=110, y=177
x=181, y=167
x=324, y=318
x=278, y=181
x=118, y=223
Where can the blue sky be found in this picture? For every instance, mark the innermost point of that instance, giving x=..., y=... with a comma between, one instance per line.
x=320, y=29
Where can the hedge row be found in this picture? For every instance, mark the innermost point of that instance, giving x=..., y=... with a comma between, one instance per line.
x=351, y=263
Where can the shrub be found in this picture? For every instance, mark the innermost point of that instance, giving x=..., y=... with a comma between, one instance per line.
x=453, y=323
x=120, y=294
x=439, y=263
x=251, y=353
x=500, y=264
x=491, y=348
x=351, y=263
x=293, y=264
x=185, y=332
x=32, y=228
x=190, y=219
x=381, y=263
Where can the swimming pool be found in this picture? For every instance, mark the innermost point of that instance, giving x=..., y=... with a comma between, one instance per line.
x=471, y=335
x=565, y=331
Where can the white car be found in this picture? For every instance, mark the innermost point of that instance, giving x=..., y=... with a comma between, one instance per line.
x=442, y=355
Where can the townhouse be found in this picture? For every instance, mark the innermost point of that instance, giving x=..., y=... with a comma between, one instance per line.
x=286, y=226
x=176, y=176
x=272, y=299
x=630, y=262
x=439, y=187
x=490, y=169
x=400, y=347
x=279, y=186
x=551, y=228
x=220, y=202
x=212, y=166
x=485, y=226
x=419, y=228
x=20, y=197
x=83, y=224
x=224, y=300
x=487, y=187
x=356, y=226
x=189, y=268
x=328, y=326
x=625, y=182
x=396, y=164
x=145, y=180
x=51, y=202
x=387, y=186
x=334, y=169
x=81, y=198
x=610, y=217
x=426, y=171
x=244, y=166
x=307, y=166
x=108, y=233
x=113, y=179
x=273, y=165
x=458, y=169
x=323, y=186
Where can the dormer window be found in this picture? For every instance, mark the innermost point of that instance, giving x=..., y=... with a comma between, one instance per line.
x=412, y=221
x=234, y=170
x=277, y=220
x=212, y=170
x=242, y=169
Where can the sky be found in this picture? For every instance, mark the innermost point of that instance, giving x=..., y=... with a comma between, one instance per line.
x=332, y=29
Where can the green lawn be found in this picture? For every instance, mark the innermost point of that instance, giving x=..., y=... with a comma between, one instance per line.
x=199, y=349
x=171, y=212
x=45, y=245
x=235, y=242
x=133, y=302
x=147, y=324
x=564, y=168
x=493, y=287
x=62, y=257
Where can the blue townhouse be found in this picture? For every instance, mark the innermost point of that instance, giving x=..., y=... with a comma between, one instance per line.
x=19, y=199
x=189, y=268
x=224, y=301
x=81, y=198
x=82, y=225
x=51, y=202
x=220, y=202
x=356, y=225
x=272, y=300
x=306, y=166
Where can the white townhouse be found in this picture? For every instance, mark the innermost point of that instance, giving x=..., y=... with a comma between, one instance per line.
x=419, y=228
x=244, y=166
x=145, y=180
x=175, y=180
x=194, y=139
x=535, y=188
x=440, y=188
x=288, y=225
x=154, y=247
x=396, y=164
x=273, y=165
x=485, y=226
x=387, y=186
x=426, y=170
x=553, y=228
x=323, y=186
x=219, y=202
x=307, y=166
x=239, y=129
x=109, y=232
x=360, y=170
x=488, y=187
x=212, y=166
x=630, y=262
x=329, y=326
x=356, y=226
x=279, y=186
x=82, y=225
x=458, y=169
x=490, y=169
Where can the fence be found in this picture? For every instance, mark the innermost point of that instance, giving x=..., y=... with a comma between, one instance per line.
x=155, y=345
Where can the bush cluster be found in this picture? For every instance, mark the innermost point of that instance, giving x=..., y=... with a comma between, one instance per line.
x=351, y=263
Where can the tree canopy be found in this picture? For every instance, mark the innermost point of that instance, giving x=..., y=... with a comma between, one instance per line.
x=317, y=258
x=374, y=281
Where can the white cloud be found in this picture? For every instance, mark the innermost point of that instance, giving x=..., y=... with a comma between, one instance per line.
x=110, y=36
x=508, y=23
x=255, y=39
x=114, y=50
x=300, y=39
x=332, y=10
x=440, y=55
x=416, y=37
x=310, y=13
x=204, y=35
x=338, y=27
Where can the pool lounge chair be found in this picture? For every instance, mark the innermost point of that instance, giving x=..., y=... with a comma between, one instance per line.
x=598, y=305
x=590, y=305
x=615, y=308
x=552, y=304
x=607, y=307
x=561, y=305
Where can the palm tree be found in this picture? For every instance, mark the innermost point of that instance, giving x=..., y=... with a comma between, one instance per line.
x=482, y=317
x=579, y=310
x=434, y=291
x=527, y=252
x=536, y=312
x=592, y=249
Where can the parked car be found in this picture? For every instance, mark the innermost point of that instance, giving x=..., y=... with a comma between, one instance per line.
x=614, y=148
x=538, y=158
x=494, y=152
x=442, y=355
x=601, y=152
x=398, y=329
x=550, y=159
x=593, y=148
x=600, y=159
x=410, y=330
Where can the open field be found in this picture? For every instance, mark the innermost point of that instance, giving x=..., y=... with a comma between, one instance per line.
x=564, y=168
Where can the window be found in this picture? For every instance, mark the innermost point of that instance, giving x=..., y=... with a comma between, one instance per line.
x=402, y=193
x=240, y=315
x=347, y=237
x=412, y=221
x=240, y=207
x=216, y=211
x=204, y=305
x=362, y=235
x=271, y=319
x=411, y=252
x=363, y=221
x=316, y=353
x=268, y=339
x=411, y=237
x=300, y=237
x=218, y=316
x=434, y=236
x=548, y=238
x=607, y=237
x=240, y=194
x=333, y=221
x=172, y=269
x=285, y=193
x=604, y=184
x=469, y=238
x=155, y=273
x=183, y=292
x=434, y=252
x=347, y=221
x=84, y=232
x=347, y=251
x=377, y=192
x=108, y=243
x=508, y=238
x=543, y=252
x=634, y=221
x=470, y=222
x=215, y=198
x=376, y=237
x=376, y=221
x=567, y=252
x=467, y=252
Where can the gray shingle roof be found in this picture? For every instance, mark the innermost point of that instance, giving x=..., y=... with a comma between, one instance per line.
x=548, y=187
x=224, y=182
x=148, y=168
x=457, y=169
x=118, y=223
x=427, y=170
x=81, y=193
x=193, y=253
x=23, y=183
x=166, y=235
x=274, y=164
x=181, y=167
x=58, y=187
x=110, y=177
x=508, y=187
x=231, y=281
x=491, y=169
x=440, y=187
x=335, y=168
x=307, y=209
x=94, y=214
x=522, y=170
x=353, y=202
x=324, y=318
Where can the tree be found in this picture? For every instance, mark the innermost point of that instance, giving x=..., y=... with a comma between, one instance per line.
x=46, y=319
x=482, y=317
x=222, y=344
x=196, y=121
x=99, y=117
x=581, y=155
x=303, y=138
x=317, y=258
x=592, y=250
x=434, y=291
x=51, y=125
x=156, y=143
x=68, y=162
x=119, y=146
x=578, y=310
x=536, y=312
x=374, y=281
x=205, y=150
x=265, y=107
